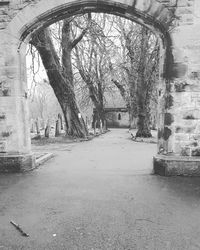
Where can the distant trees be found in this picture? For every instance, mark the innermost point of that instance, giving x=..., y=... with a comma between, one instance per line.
x=44, y=107
x=137, y=71
x=91, y=57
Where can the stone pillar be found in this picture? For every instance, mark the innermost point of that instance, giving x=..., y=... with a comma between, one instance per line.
x=181, y=145
x=15, y=144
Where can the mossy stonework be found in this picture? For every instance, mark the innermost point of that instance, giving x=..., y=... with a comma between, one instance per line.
x=175, y=22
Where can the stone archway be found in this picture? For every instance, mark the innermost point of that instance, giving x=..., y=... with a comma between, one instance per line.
x=25, y=18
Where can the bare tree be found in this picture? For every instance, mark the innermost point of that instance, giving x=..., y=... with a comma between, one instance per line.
x=91, y=56
x=103, y=52
x=139, y=61
x=59, y=72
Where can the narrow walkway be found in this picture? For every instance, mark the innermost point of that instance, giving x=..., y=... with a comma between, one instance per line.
x=100, y=194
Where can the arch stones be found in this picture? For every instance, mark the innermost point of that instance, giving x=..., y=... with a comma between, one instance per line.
x=176, y=23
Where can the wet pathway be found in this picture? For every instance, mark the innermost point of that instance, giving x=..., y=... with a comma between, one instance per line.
x=100, y=194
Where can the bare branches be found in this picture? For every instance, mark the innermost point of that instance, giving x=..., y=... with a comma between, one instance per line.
x=101, y=53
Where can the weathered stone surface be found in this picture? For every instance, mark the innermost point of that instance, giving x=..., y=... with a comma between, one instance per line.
x=168, y=120
x=16, y=163
x=186, y=151
x=187, y=130
x=181, y=137
x=195, y=151
x=173, y=166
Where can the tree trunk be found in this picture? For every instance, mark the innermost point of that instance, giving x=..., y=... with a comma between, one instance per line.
x=143, y=123
x=143, y=127
x=60, y=83
x=93, y=80
x=132, y=121
x=133, y=107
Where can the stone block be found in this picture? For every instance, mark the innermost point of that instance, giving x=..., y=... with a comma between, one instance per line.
x=195, y=151
x=178, y=147
x=188, y=123
x=2, y=116
x=3, y=145
x=188, y=130
x=184, y=11
x=155, y=9
x=176, y=166
x=191, y=114
x=16, y=163
x=168, y=119
x=197, y=129
x=182, y=99
x=179, y=86
x=2, y=26
x=182, y=3
x=195, y=137
x=186, y=151
x=181, y=137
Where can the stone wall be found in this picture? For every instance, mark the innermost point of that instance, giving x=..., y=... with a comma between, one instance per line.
x=117, y=118
x=185, y=87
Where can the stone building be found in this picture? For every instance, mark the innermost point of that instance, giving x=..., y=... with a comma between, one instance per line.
x=177, y=25
x=116, y=117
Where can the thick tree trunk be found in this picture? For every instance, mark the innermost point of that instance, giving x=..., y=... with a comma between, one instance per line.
x=133, y=107
x=132, y=121
x=60, y=84
x=66, y=43
x=143, y=123
x=143, y=127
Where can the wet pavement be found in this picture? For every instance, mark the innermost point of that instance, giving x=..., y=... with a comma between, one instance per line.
x=100, y=194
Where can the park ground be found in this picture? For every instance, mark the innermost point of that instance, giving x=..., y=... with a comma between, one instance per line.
x=99, y=195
